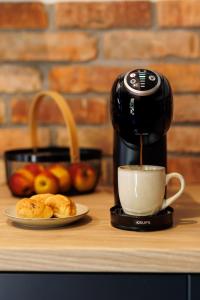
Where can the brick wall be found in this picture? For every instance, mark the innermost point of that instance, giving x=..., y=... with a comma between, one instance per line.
x=78, y=49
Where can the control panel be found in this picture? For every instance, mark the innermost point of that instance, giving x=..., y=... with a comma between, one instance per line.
x=142, y=82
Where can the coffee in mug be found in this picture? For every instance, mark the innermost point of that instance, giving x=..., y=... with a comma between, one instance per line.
x=142, y=189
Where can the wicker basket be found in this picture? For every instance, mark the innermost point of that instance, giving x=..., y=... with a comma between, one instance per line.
x=46, y=156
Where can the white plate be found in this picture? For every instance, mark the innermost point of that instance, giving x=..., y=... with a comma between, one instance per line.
x=10, y=212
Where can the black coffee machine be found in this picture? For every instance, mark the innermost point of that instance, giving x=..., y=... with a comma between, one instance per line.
x=141, y=113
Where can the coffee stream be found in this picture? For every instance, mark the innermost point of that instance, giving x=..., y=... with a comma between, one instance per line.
x=141, y=150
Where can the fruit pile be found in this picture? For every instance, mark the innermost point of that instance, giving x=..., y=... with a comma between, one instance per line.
x=34, y=178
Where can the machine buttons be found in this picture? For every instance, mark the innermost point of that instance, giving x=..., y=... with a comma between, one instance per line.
x=132, y=81
x=136, y=85
x=132, y=75
x=152, y=78
x=142, y=82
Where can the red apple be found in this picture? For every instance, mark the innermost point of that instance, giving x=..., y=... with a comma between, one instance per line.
x=83, y=176
x=20, y=185
x=27, y=174
x=34, y=168
x=45, y=183
x=63, y=176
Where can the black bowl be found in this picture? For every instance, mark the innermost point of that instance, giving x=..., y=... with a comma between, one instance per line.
x=15, y=159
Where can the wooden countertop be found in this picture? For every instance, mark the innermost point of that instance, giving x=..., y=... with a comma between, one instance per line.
x=93, y=245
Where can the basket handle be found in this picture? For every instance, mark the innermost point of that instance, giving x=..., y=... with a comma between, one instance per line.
x=67, y=116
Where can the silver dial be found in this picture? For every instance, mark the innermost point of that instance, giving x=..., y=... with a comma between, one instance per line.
x=142, y=82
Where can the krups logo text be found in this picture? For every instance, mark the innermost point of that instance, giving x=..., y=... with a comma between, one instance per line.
x=143, y=222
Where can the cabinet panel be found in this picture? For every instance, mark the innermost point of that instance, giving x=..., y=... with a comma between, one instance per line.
x=92, y=286
x=194, y=283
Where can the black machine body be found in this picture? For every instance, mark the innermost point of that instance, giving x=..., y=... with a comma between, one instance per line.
x=141, y=110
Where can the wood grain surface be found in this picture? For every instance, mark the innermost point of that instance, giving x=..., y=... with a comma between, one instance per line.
x=93, y=245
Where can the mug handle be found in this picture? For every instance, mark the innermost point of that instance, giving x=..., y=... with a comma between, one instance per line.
x=171, y=199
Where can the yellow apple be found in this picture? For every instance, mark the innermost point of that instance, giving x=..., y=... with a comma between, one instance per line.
x=46, y=182
x=63, y=176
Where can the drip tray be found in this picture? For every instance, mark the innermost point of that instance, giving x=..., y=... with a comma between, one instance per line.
x=159, y=221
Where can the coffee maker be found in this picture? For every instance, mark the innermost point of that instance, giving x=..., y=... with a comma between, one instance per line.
x=141, y=113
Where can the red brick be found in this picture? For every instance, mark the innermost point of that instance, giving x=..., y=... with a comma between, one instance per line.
x=41, y=46
x=183, y=77
x=11, y=138
x=92, y=137
x=77, y=78
x=15, y=78
x=90, y=111
x=2, y=112
x=131, y=44
x=187, y=108
x=104, y=14
x=85, y=111
x=23, y=16
x=179, y=13
x=19, y=110
x=188, y=166
x=184, y=139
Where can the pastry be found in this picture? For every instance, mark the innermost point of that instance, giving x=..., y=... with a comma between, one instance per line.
x=62, y=206
x=41, y=197
x=32, y=208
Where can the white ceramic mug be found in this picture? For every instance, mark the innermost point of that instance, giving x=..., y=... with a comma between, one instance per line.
x=142, y=189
